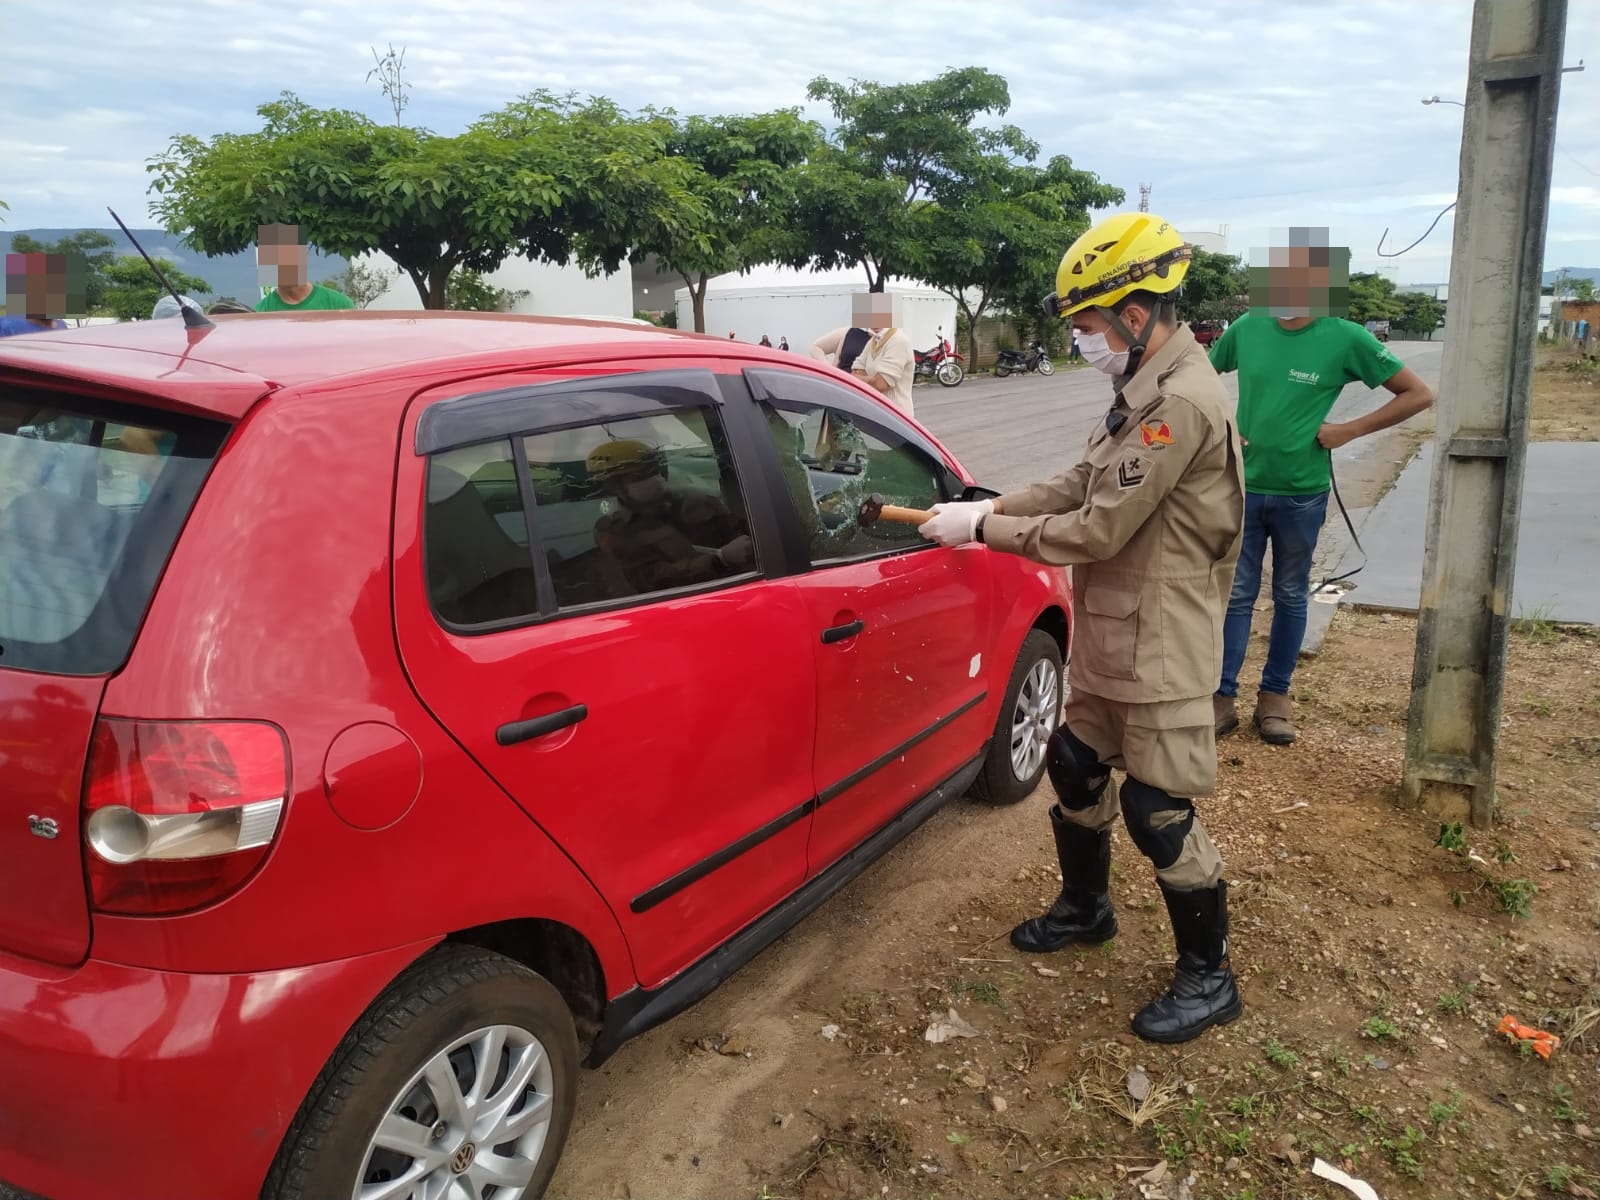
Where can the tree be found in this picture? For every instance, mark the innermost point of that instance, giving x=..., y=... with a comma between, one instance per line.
x=1372, y=298
x=743, y=180
x=363, y=282
x=530, y=179
x=1216, y=287
x=1419, y=313
x=1582, y=290
x=98, y=253
x=1009, y=221
x=895, y=147
x=470, y=292
x=132, y=289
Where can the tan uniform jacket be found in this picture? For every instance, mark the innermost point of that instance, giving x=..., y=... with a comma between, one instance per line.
x=1151, y=522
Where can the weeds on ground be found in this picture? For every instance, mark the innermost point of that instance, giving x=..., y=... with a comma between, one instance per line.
x=1380, y=1029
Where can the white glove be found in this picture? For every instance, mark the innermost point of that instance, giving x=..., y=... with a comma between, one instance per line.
x=955, y=524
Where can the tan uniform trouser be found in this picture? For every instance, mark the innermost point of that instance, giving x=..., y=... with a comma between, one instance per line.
x=1170, y=746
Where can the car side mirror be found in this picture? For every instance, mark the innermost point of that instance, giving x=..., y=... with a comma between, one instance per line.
x=974, y=492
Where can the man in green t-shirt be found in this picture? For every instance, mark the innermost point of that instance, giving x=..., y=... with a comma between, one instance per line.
x=1294, y=357
x=285, y=261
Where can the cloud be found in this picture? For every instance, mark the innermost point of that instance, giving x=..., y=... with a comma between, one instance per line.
x=1251, y=116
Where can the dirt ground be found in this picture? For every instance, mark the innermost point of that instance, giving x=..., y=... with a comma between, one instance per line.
x=1566, y=397
x=1377, y=954
x=1374, y=962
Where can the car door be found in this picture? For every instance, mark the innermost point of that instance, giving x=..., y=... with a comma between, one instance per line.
x=656, y=722
x=902, y=622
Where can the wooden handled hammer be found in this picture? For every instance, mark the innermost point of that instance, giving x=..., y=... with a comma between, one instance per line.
x=873, y=508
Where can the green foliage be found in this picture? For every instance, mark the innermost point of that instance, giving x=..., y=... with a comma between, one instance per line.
x=741, y=173
x=1010, y=222
x=1582, y=291
x=1380, y=1029
x=895, y=148
x=1452, y=837
x=1280, y=1055
x=540, y=177
x=1372, y=298
x=1215, y=289
x=132, y=289
x=96, y=248
x=1515, y=896
x=468, y=291
x=363, y=282
x=1402, y=1151
x=1454, y=1001
x=1419, y=313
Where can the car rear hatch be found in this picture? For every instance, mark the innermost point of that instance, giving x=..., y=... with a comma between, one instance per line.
x=93, y=494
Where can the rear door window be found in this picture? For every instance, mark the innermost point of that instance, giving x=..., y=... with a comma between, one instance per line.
x=92, y=495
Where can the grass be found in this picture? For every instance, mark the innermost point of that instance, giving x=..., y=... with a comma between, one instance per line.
x=1380, y=1029
x=1538, y=627
x=1454, y=1001
x=981, y=991
x=1280, y=1055
x=1561, y=1106
x=1514, y=896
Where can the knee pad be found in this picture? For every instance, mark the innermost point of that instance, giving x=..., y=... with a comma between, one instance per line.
x=1076, y=771
x=1157, y=823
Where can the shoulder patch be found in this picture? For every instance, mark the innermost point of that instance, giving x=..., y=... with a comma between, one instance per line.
x=1131, y=471
x=1156, y=434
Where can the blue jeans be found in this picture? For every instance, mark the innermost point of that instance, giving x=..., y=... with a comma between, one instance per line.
x=1291, y=525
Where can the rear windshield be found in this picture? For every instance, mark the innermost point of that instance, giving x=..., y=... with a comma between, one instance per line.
x=92, y=495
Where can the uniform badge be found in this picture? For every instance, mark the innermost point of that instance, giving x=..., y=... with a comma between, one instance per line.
x=1131, y=472
x=1155, y=436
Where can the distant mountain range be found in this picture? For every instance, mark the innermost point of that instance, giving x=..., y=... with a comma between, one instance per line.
x=1590, y=273
x=228, y=274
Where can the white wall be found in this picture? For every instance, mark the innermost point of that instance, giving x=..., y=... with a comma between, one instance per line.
x=552, y=291
x=803, y=314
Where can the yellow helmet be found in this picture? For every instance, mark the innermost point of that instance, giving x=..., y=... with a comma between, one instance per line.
x=620, y=456
x=1127, y=253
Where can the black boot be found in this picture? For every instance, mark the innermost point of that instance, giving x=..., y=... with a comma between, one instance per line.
x=1083, y=913
x=1203, y=992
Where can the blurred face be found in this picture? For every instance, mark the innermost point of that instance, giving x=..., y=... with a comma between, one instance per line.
x=46, y=287
x=872, y=310
x=282, y=258
x=1300, y=276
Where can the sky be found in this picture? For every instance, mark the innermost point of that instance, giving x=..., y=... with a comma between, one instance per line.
x=1250, y=115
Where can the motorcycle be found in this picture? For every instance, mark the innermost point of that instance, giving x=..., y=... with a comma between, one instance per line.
x=941, y=363
x=1015, y=360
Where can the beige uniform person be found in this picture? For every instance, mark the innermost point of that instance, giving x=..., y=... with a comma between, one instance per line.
x=1150, y=522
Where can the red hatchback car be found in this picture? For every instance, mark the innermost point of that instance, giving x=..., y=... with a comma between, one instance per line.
x=397, y=710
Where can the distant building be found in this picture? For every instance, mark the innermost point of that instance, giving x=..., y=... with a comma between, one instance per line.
x=1207, y=240
x=551, y=291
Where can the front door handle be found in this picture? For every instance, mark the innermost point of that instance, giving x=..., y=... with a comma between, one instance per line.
x=523, y=731
x=841, y=633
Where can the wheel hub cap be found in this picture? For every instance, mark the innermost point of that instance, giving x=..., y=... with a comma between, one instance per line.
x=462, y=1158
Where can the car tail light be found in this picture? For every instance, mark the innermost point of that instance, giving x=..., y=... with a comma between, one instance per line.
x=178, y=814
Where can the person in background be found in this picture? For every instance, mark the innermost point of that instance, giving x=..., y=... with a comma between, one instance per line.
x=1076, y=355
x=783, y=343
x=766, y=341
x=284, y=261
x=168, y=307
x=1295, y=352
x=41, y=289
x=730, y=335
x=888, y=362
x=224, y=307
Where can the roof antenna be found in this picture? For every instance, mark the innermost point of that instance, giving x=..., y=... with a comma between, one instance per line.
x=193, y=318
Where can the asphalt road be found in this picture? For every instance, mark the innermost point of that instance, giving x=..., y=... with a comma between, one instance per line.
x=1020, y=430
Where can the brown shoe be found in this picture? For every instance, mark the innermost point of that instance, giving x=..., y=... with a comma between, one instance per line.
x=1225, y=714
x=1274, y=718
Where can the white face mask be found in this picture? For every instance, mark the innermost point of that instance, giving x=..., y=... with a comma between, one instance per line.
x=1100, y=355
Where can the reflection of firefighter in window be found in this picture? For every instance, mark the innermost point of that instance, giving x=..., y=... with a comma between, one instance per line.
x=661, y=538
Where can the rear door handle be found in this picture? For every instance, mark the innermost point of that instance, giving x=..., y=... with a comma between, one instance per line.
x=522, y=731
x=841, y=633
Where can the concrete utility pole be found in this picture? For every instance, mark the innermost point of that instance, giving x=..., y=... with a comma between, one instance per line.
x=1475, y=500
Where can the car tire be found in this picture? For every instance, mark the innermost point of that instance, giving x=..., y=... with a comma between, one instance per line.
x=1008, y=775
x=1046, y=367
x=441, y=1015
